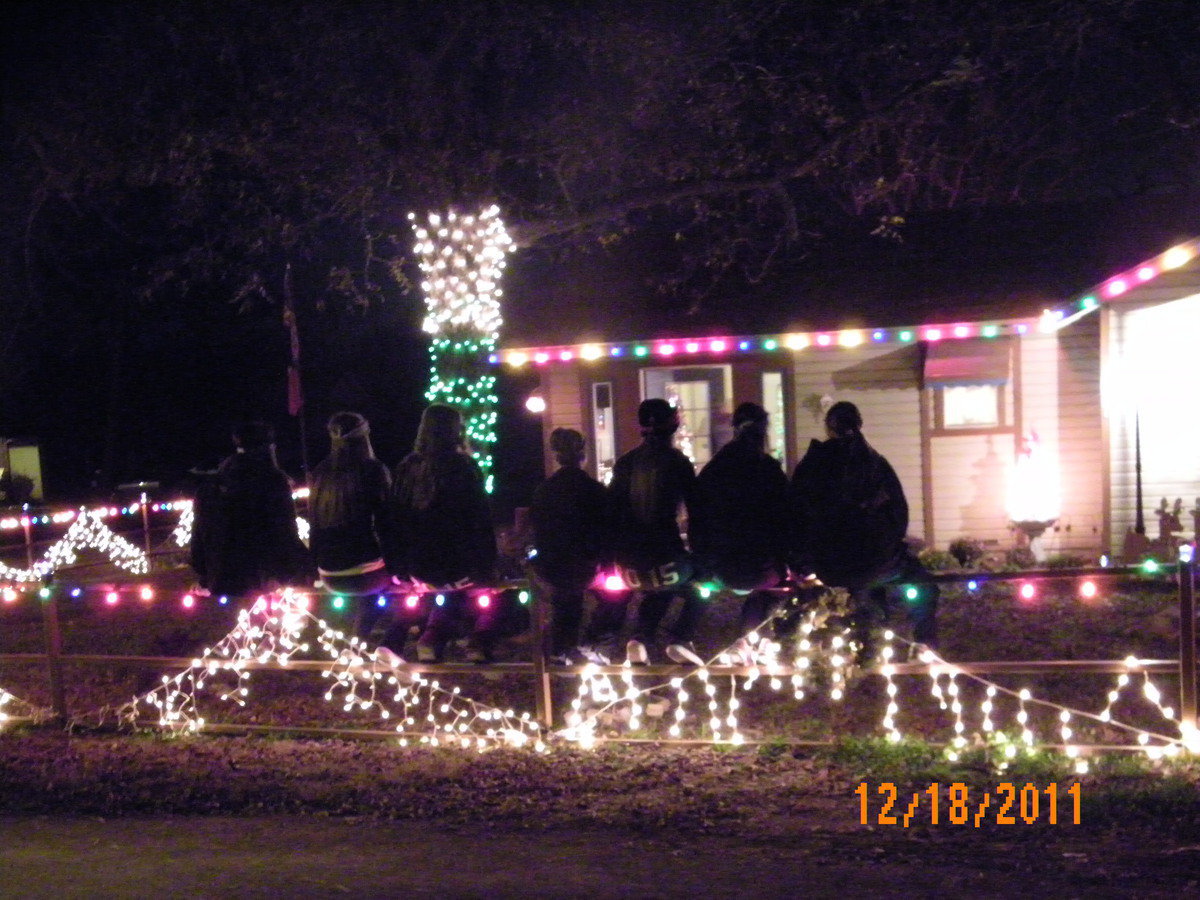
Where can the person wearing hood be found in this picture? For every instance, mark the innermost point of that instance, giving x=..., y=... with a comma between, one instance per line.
x=253, y=542
x=851, y=518
x=348, y=514
x=739, y=525
x=441, y=533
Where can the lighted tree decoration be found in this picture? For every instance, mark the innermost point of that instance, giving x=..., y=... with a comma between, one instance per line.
x=462, y=258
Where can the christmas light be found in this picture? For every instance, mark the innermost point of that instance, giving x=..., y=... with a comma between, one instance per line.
x=462, y=259
x=1049, y=320
x=270, y=634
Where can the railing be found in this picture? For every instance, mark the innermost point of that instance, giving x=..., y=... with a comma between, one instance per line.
x=541, y=671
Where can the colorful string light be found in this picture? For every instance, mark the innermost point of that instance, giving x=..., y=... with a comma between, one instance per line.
x=1047, y=321
x=462, y=259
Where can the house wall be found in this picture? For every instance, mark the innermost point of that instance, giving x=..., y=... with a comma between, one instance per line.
x=1151, y=369
x=970, y=469
x=1081, y=529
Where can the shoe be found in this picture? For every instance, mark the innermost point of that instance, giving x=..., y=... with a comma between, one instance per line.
x=741, y=653
x=593, y=655
x=684, y=654
x=388, y=657
x=427, y=653
x=478, y=655
x=917, y=651
x=635, y=653
x=572, y=657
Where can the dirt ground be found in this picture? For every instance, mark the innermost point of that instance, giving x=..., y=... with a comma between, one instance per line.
x=328, y=857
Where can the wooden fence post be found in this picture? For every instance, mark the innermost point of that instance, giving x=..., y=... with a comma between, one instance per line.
x=53, y=635
x=542, y=694
x=1187, y=641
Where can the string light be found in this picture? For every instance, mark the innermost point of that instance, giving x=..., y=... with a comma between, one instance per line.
x=462, y=259
x=88, y=531
x=270, y=633
x=1049, y=320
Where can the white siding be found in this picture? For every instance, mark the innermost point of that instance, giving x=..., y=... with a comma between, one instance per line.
x=1080, y=440
x=564, y=408
x=970, y=476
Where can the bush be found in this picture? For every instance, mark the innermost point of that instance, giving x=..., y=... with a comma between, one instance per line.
x=1020, y=558
x=938, y=560
x=967, y=551
x=1066, y=561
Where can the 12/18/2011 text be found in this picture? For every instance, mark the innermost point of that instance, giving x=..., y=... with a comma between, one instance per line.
x=1006, y=804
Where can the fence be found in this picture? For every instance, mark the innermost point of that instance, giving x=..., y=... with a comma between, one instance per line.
x=539, y=669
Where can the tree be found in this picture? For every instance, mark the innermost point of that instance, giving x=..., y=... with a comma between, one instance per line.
x=186, y=150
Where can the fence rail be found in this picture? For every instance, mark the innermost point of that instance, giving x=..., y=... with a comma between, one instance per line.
x=542, y=671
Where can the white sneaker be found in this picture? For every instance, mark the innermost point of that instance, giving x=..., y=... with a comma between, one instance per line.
x=635, y=653
x=684, y=654
x=916, y=652
x=593, y=655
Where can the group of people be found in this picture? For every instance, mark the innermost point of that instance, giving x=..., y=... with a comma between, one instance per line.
x=841, y=519
x=426, y=523
x=740, y=522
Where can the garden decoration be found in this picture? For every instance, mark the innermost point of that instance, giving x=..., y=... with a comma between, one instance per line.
x=270, y=634
x=615, y=703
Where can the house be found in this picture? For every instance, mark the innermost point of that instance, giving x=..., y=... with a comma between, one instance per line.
x=999, y=389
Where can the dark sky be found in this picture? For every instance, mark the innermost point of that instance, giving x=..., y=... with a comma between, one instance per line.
x=147, y=390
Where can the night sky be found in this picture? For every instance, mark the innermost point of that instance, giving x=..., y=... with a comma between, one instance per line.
x=165, y=164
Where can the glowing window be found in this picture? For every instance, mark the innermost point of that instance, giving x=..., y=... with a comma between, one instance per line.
x=971, y=406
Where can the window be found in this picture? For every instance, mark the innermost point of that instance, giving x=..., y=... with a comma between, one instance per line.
x=702, y=396
x=604, y=434
x=970, y=406
x=968, y=378
x=773, y=403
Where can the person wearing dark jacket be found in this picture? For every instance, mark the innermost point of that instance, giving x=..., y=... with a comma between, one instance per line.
x=250, y=527
x=851, y=518
x=739, y=522
x=348, y=512
x=649, y=486
x=441, y=532
x=570, y=539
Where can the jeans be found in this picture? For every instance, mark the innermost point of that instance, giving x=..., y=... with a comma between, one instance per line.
x=907, y=583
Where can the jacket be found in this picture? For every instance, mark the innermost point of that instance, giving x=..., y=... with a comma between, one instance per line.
x=739, y=523
x=354, y=538
x=441, y=527
x=250, y=528
x=849, y=509
x=649, y=485
x=570, y=530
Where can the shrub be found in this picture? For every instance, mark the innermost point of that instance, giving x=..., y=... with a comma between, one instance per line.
x=967, y=551
x=1020, y=558
x=1066, y=561
x=938, y=560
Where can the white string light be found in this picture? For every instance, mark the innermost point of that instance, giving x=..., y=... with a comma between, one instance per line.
x=363, y=680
